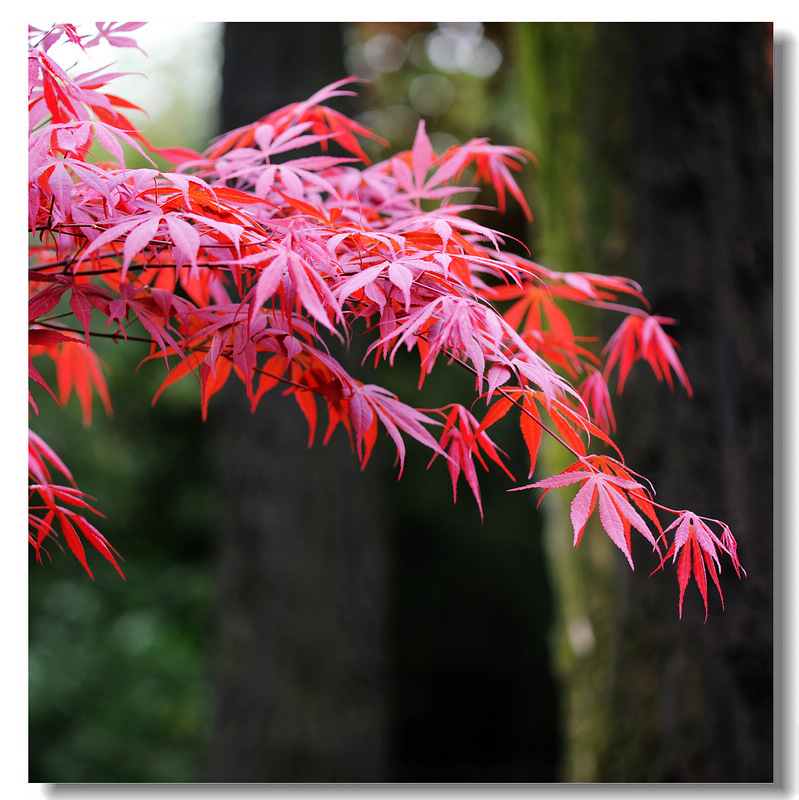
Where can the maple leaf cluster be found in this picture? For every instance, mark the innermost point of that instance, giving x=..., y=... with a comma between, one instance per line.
x=234, y=264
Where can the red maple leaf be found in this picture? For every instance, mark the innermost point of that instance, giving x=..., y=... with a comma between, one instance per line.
x=641, y=336
x=695, y=549
x=233, y=264
x=609, y=482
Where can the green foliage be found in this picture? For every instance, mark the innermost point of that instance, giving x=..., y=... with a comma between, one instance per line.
x=118, y=683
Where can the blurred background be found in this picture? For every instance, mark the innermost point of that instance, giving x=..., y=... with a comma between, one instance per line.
x=287, y=618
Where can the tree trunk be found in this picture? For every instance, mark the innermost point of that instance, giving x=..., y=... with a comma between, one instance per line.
x=299, y=689
x=655, y=143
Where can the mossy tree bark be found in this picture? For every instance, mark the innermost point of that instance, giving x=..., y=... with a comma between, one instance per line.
x=655, y=148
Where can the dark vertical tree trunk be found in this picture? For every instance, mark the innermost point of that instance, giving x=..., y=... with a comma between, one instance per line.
x=299, y=689
x=666, y=131
x=271, y=64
